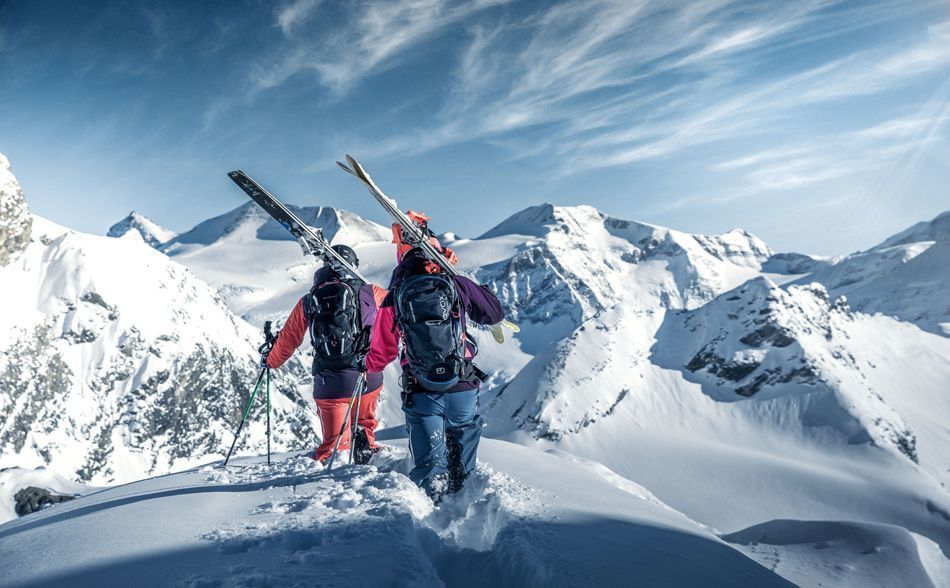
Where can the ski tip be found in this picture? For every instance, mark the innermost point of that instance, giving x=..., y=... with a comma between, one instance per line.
x=346, y=168
x=360, y=171
x=235, y=173
x=510, y=326
x=355, y=164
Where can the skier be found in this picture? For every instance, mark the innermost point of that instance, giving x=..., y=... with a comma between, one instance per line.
x=339, y=312
x=428, y=310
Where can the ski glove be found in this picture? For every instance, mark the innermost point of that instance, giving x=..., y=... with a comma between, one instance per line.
x=361, y=363
x=264, y=359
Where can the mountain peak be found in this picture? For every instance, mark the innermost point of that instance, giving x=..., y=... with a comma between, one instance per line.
x=151, y=232
x=936, y=229
x=15, y=219
x=537, y=220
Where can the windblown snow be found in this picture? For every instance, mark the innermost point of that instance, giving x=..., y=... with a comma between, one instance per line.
x=685, y=409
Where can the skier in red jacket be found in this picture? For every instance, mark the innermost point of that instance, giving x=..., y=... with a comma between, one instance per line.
x=339, y=313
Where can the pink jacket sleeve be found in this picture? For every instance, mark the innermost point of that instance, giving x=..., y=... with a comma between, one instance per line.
x=384, y=341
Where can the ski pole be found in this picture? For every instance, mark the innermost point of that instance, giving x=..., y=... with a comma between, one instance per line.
x=356, y=421
x=359, y=384
x=244, y=418
x=268, y=415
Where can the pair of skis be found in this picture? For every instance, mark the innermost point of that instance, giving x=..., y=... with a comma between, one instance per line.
x=314, y=241
x=417, y=237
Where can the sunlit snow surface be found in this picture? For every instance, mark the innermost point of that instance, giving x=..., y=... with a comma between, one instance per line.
x=290, y=524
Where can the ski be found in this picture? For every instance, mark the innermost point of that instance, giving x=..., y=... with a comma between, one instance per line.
x=312, y=239
x=417, y=237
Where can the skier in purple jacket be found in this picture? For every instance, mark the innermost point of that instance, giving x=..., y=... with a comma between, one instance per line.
x=444, y=427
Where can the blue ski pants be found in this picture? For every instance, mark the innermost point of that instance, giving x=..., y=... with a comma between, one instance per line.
x=438, y=424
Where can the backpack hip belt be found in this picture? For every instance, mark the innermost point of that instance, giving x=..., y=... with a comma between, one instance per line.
x=406, y=381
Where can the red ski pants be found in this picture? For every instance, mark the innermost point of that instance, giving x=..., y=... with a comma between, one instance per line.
x=332, y=413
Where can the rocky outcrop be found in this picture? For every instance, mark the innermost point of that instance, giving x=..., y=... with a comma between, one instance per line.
x=32, y=499
x=15, y=219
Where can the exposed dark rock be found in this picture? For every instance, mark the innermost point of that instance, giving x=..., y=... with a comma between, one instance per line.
x=735, y=371
x=757, y=382
x=714, y=364
x=704, y=358
x=31, y=499
x=768, y=333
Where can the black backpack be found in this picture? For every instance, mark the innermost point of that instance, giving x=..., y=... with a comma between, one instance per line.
x=336, y=328
x=428, y=314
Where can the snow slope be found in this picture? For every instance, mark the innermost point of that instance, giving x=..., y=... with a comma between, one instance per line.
x=831, y=553
x=293, y=524
x=828, y=428
x=150, y=231
x=906, y=276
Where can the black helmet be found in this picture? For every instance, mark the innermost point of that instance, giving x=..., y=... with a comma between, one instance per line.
x=346, y=253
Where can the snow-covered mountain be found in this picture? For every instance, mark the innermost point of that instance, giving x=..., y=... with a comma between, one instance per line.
x=906, y=276
x=118, y=363
x=151, y=232
x=568, y=260
x=109, y=376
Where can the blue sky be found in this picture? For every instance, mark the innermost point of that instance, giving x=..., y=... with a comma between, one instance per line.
x=820, y=126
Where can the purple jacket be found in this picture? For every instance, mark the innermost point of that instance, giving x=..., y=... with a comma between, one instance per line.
x=478, y=304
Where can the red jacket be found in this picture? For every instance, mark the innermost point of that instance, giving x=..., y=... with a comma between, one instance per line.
x=326, y=383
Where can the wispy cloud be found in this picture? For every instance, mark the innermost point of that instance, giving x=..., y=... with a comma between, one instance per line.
x=876, y=148
x=590, y=84
x=294, y=14
x=650, y=80
x=371, y=35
